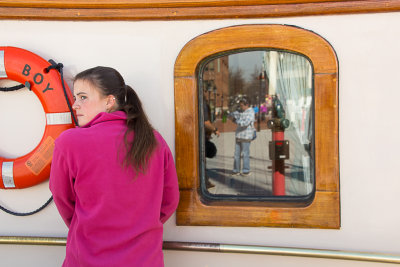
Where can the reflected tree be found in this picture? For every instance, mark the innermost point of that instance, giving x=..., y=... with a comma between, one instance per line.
x=236, y=82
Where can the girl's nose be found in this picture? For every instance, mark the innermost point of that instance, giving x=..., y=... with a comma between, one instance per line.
x=75, y=105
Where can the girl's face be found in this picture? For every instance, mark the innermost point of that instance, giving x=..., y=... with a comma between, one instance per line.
x=88, y=101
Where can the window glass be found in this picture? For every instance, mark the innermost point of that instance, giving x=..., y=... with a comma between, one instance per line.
x=256, y=124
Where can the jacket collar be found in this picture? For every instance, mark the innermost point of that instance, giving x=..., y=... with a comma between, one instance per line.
x=104, y=116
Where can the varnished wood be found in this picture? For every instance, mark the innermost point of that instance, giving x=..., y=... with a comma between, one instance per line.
x=184, y=9
x=326, y=132
x=186, y=131
x=147, y=3
x=324, y=211
x=278, y=37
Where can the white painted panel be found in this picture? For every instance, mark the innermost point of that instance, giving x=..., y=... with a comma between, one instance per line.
x=145, y=52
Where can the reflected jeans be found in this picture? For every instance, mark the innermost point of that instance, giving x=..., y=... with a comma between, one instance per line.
x=240, y=147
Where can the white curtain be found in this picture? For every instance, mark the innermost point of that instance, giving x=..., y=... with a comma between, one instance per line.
x=294, y=91
x=292, y=79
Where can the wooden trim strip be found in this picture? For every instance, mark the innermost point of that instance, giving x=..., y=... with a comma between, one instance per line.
x=150, y=3
x=225, y=248
x=169, y=10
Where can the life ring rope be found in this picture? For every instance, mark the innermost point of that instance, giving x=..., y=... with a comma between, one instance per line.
x=59, y=67
x=12, y=88
x=27, y=213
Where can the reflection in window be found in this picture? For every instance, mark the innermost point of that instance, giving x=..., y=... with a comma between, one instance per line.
x=261, y=103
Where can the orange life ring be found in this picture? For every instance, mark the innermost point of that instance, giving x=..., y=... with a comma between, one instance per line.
x=23, y=66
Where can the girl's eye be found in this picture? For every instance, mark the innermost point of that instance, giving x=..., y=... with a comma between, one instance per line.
x=80, y=97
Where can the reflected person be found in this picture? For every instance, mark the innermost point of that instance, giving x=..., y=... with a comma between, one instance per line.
x=244, y=119
x=209, y=130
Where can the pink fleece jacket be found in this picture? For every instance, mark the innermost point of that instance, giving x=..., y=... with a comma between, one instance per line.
x=114, y=219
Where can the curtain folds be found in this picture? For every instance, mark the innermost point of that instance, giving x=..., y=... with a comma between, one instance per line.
x=290, y=78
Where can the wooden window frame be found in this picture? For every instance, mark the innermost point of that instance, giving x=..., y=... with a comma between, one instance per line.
x=324, y=210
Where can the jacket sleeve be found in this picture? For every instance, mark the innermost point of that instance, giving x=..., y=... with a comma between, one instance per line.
x=61, y=186
x=171, y=189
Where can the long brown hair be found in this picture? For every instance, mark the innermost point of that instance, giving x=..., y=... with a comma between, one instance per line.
x=110, y=82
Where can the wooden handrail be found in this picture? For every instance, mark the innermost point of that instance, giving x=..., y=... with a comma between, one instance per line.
x=184, y=9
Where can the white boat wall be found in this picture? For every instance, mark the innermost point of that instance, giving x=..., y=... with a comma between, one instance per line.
x=367, y=49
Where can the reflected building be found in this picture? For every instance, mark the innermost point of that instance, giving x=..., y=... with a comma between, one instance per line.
x=216, y=85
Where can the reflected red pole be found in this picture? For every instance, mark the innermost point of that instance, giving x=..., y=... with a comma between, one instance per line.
x=278, y=168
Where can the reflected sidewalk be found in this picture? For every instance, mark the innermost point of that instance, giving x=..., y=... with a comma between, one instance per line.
x=259, y=182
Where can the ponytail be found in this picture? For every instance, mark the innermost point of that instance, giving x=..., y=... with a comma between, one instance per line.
x=110, y=82
x=140, y=149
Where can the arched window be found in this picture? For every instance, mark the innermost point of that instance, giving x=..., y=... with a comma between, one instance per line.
x=280, y=83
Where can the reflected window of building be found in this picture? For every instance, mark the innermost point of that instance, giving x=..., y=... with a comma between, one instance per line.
x=260, y=146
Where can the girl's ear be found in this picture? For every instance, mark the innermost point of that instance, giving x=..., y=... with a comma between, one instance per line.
x=111, y=103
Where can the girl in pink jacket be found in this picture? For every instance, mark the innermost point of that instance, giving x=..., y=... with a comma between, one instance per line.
x=113, y=178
